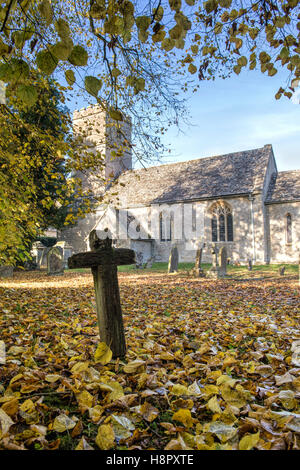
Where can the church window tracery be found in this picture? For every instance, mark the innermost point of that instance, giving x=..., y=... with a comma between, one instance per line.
x=221, y=222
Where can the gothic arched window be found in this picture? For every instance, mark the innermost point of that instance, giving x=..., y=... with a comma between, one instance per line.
x=289, y=234
x=165, y=227
x=221, y=223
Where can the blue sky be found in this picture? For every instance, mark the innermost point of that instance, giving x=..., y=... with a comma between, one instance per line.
x=235, y=114
x=240, y=113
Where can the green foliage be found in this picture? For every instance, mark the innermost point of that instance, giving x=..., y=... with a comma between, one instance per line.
x=124, y=36
x=35, y=192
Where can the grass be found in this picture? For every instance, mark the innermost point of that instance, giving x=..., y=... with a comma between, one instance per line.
x=261, y=270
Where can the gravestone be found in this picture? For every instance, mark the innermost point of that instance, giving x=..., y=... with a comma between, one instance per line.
x=43, y=257
x=223, y=262
x=55, y=261
x=149, y=263
x=6, y=271
x=250, y=265
x=67, y=251
x=103, y=261
x=197, y=270
x=214, y=271
x=173, y=260
x=139, y=260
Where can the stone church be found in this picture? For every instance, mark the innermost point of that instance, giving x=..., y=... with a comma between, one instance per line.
x=239, y=200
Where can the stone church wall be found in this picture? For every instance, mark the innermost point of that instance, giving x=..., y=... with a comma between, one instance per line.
x=280, y=250
x=241, y=249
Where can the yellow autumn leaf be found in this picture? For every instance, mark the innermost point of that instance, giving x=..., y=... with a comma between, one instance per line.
x=179, y=390
x=133, y=367
x=105, y=439
x=122, y=426
x=223, y=431
x=85, y=400
x=213, y=405
x=11, y=407
x=62, y=423
x=194, y=389
x=225, y=379
x=51, y=378
x=95, y=413
x=5, y=423
x=83, y=445
x=183, y=416
x=149, y=412
x=166, y=356
x=103, y=354
x=115, y=389
x=177, y=444
x=79, y=367
x=28, y=406
x=210, y=390
x=233, y=397
x=249, y=441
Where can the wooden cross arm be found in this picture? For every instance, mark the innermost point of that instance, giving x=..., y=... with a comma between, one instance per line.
x=90, y=259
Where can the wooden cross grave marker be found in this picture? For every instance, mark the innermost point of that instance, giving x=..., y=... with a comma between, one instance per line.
x=103, y=260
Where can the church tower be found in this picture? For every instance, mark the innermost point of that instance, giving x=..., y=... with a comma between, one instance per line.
x=111, y=138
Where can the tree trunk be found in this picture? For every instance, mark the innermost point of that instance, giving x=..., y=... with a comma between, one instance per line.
x=108, y=306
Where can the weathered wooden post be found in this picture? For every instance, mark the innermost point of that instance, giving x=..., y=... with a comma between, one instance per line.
x=103, y=261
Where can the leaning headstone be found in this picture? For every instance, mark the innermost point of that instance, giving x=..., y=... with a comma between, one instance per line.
x=197, y=270
x=223, y=262
x=250, y=265
x=281, y=271
x=55, y=261
x=103, y=261
x=173, y=260
x=6, y=271
x=214, y=272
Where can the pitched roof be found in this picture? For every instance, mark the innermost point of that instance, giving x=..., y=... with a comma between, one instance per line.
x=284, y=187
x=204, y=178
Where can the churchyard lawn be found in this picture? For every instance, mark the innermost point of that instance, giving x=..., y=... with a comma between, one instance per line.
x=271, y=270
x=210, y=364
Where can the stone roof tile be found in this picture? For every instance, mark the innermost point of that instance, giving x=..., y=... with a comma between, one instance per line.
x=284, y=187
x=204, y=178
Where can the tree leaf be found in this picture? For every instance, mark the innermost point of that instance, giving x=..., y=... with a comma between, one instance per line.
x=78, y=56
x=62, y=423
x=105, y=439
x=92, y=85
x=70, y=77
x=103, y=354
x=27, y=94
x=249, y=441
x=183, y=416
x=46, y=62
x=46, y=11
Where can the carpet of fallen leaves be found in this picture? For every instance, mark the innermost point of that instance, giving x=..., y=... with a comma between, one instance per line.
x=210, y=365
